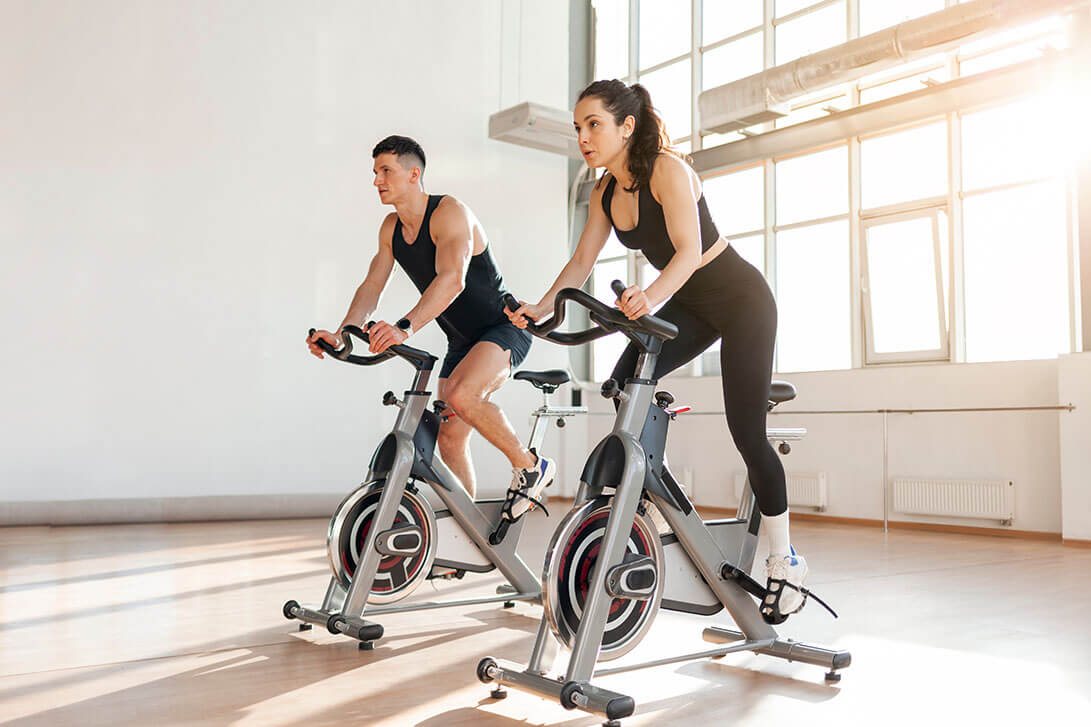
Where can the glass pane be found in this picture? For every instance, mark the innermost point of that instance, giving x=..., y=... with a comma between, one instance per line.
x=683, y=147
x=725, y=18
x=670, y=90
x=902, y=290
x=611, y=38
x=825, y=107
x=737, y=201
x=730, y=62
x=1052, y=28
x=812, y=32
x=899, y=86
x=751, y=249
x=813, y=298
x=879, y=14
x=813, y=186
x=787, y=7
x=606, y=351
x=1016, y=274
x=665, y=31
x=1009, y=144
x=904, y=166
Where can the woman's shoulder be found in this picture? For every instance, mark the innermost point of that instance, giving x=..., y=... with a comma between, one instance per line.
x=671, y=170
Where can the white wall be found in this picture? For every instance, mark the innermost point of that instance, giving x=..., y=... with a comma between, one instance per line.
x=1021, y=446
x=186, y=190
x=1074, y=382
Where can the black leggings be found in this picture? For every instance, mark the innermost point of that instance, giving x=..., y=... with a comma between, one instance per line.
x=730, y=300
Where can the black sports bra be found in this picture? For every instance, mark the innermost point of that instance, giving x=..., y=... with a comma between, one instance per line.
x=650, y=235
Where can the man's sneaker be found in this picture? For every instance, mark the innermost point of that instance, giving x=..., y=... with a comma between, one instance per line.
x=526, y=487
x=786, y=594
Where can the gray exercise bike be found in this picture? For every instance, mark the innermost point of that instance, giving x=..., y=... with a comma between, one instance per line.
x=385, y=538
x=608, y=570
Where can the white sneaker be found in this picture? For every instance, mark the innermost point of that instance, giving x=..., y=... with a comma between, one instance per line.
x=526, y=487
x=785, y=579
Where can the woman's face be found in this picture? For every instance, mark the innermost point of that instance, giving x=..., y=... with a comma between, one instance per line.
x=602, y=140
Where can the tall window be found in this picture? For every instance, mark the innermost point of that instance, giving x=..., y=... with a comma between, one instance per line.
x=859, y=239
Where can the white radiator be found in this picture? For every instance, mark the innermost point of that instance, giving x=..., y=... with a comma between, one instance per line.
x=805, y=489
x=985, y=499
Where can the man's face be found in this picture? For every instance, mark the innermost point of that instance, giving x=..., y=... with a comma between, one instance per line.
x=392, y=180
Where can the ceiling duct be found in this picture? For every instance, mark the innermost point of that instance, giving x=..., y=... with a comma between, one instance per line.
x=765, y=96
x=536, y=126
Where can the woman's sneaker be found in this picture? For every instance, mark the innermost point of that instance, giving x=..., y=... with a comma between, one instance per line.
x=526, y=487
x=786, y=594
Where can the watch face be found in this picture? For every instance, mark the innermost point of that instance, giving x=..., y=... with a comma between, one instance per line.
x=404, y=324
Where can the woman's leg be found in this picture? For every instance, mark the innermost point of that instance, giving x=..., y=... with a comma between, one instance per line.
x=694, y=336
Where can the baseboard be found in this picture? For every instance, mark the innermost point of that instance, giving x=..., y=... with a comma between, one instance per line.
x=1074, y=543
x=706, y=510
x=168, y=509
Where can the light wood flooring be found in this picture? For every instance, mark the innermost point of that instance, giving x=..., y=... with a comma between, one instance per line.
x=180, y=625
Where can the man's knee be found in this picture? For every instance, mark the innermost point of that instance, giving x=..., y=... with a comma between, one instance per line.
x=462, y=398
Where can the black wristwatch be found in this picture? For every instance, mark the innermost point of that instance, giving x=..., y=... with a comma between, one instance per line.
x=405, y=325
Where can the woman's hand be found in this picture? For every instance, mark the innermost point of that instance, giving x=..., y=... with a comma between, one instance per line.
x=526, y=312
x=634, y=303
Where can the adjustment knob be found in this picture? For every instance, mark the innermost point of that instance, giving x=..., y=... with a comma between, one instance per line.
x=389, y=399
x=610, y=389
x=663, y=399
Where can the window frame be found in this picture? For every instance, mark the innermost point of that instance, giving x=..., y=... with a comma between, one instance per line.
x=871, y=356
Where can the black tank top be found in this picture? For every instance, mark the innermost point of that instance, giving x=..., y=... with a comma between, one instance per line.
x=650, y=234
x=478, y=306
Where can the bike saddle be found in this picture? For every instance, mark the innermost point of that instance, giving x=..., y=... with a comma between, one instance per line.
x=781, y=391
x=547, y=381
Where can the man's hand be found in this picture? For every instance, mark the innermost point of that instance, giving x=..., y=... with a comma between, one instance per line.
x=525, y=312
x=634, y=303
x=331, y=338
x=383, y=336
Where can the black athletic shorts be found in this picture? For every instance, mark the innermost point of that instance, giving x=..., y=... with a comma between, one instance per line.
x=504, y=335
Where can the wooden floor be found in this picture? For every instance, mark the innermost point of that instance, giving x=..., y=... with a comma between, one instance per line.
x=181, y=625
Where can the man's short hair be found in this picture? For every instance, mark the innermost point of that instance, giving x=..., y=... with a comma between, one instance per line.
x=401, y=146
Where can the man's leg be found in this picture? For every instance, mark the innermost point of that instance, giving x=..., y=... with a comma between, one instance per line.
x=469, y=387
x=454, y=445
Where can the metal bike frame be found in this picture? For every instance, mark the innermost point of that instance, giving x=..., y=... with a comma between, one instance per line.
x=352, y=605
x=697, y=542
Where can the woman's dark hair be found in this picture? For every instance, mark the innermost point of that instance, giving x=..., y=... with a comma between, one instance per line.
x=649, y=134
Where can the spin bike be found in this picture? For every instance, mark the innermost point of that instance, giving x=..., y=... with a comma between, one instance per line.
x=608, y=571
x=385, y=539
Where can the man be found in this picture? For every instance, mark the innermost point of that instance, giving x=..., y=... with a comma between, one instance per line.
x=441, y=245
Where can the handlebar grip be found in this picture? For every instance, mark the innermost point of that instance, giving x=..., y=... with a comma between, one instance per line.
x=323, y=343
x=618, y=287
x=510, y=302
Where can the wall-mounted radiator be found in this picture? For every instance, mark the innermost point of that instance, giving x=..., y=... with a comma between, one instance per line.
x=984, y=499
x=805, y=489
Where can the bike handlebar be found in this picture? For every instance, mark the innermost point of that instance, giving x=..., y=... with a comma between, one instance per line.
x=608, y=319
x=420, y=359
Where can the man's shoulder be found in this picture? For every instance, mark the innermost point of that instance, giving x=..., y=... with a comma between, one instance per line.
x=386, y=229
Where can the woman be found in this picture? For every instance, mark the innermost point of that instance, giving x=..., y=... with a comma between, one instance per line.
x=653, y=200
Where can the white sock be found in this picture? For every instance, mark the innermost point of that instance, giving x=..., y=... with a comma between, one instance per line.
x=776, y=527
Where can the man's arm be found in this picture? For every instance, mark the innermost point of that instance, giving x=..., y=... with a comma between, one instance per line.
x=452, y=232
x=367, y=295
